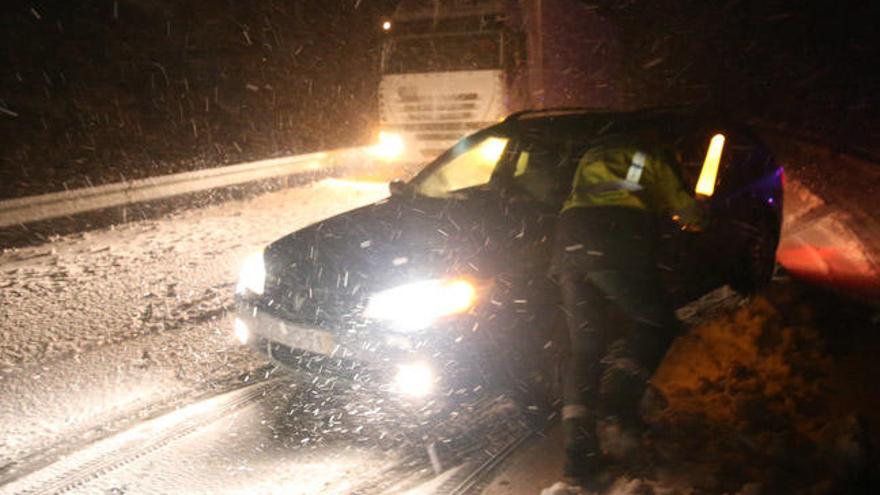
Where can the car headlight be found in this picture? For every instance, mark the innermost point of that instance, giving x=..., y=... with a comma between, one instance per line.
x=252, y=276
x=413, y=380
x=415, y=306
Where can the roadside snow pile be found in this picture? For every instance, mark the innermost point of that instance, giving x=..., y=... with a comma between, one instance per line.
x=750, y=405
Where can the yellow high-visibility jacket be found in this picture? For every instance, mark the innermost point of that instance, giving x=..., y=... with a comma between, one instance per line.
x=627, y=174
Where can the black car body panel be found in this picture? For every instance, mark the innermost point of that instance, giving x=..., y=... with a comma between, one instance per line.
x=319, y=279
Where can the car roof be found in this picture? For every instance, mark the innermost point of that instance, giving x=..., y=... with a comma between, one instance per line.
x=580, y=124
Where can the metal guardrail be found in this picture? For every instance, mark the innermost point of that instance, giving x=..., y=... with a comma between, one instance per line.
x=53, y=205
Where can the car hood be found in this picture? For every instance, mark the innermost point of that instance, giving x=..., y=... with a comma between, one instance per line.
x=326, y=271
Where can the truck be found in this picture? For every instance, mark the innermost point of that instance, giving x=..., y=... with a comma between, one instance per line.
x=451, y=67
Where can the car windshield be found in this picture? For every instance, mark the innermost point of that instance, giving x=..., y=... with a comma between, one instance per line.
x=470, y=163
x=532, y=166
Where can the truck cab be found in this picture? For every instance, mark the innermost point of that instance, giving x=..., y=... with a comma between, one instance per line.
x=445, y=72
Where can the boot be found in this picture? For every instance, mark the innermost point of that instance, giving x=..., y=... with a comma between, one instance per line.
x=619, y=440
x=582, y=454
x=563, y=488
x=653, y=403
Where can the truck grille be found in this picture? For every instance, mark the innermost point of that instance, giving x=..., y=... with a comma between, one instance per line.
x=458, y=109
x=433, y=111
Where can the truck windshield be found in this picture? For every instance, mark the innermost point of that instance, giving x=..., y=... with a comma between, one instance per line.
x=442, y=53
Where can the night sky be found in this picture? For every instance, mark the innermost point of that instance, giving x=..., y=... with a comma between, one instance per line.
x=101, y=90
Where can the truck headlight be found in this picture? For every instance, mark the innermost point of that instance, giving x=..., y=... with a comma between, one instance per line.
x=415, y=306
x=252, y=276
x=389, y=146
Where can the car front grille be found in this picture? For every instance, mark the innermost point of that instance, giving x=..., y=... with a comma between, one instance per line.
x=329, y=308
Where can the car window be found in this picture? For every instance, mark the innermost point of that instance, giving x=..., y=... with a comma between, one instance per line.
x=471, y=165
x=540, y=170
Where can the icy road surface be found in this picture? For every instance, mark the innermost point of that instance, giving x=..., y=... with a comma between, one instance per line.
x=102, y=327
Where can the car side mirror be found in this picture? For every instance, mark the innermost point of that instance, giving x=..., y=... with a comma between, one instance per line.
x=397, y=187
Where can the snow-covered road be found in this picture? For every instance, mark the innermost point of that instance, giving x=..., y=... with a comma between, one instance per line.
x=237, y=442
x=116, y=344
x=101, y=326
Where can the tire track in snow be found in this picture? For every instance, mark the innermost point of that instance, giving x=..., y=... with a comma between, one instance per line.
x=116, y=452
x=112, y=321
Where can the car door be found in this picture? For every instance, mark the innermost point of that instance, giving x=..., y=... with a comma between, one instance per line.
x=532, y=188
x=528, y=184
x=701, y=260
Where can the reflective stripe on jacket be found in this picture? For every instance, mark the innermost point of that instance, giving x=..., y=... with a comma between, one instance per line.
x=626, y=174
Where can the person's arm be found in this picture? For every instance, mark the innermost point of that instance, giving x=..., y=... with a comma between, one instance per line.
x=669, y=196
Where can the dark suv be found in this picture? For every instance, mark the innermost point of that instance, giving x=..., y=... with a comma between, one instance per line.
x=445, y=282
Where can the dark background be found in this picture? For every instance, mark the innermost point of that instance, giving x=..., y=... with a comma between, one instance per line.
x=106, y=90
x=96, y=91
x=809, y=65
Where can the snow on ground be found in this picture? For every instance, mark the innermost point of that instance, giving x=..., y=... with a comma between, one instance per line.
x=97, y=325
x=252, y=449
x=748, y=401
x=757, y=403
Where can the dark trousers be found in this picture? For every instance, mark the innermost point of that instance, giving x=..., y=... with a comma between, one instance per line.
x=620, y=327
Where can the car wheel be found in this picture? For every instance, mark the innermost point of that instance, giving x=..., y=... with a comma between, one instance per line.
x=756, y=262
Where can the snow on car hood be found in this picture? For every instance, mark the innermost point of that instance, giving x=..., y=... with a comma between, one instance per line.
x=324, y=272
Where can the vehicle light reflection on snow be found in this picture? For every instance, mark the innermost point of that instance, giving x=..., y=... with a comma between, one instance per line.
x=187, y=412
x=152, y=428
x=332, y=476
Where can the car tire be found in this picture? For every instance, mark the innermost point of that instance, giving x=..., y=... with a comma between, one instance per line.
x=756, y=262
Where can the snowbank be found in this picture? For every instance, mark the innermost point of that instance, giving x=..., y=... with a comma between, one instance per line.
x=750, y=400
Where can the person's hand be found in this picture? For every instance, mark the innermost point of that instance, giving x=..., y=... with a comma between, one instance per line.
x=694, y=218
